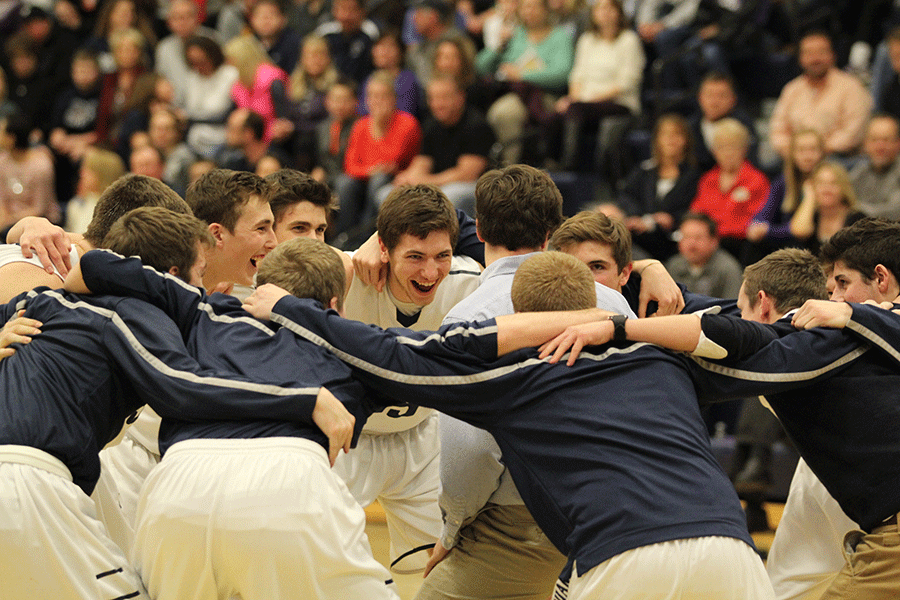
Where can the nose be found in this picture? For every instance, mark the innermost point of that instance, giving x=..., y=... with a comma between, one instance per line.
x=837, y=295
x=431, y=270
x=271, y=241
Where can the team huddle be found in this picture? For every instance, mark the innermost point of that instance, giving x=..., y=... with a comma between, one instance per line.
x=527, y=434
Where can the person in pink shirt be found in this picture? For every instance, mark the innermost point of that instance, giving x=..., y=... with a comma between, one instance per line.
x=381, y=145
x=733, y=191
x=823, y=98
x=258, y=79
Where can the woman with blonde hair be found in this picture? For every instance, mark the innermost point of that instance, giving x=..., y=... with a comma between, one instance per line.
x=258, y=79
x=770, y=228
x=99, y=169
x=828, y=205
x=303, y=107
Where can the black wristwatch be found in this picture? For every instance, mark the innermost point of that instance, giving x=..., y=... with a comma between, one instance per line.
x=618, y=327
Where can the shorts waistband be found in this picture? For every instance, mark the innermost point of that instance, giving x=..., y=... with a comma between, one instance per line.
x=26, y=455
x=247, y=446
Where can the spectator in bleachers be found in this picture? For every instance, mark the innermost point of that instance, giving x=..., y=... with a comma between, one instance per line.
x=876, y=179
x=432, y=20
x=55, y=45
x=166, y=131
x=717, y=99
x=665, y=25
x=183, y=20
x=381, y=145
x=350, y=36
x=734, y=190
x=885, y=84
x=304, y=16
x=245, y=142
x=828, y=205
x=659, y=191
x=31, y=93
x=387, y=56
x=268, y=164
x=303, y=107
x=208, y=99
x=500, y=24
x=74, y=120
x=268, y=22
x=232, y=18
x=700, y=265
x=125, y=93
x=770, y=228
x=571, y=15
x=456, y=143
x=605, y=79
x=333, y=134
x=823, y=98
x=116, y=16
x=26, y=173
x=258, y=79
x=533, y=70
x=99, y=168
x=455, y=57
x=146, y=160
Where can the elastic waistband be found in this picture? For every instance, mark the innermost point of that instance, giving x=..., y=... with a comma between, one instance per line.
x=26, y=455
x=247, y=446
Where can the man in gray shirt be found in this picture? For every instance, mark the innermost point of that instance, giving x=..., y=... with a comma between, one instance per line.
x=700, y=265
x=876, y=179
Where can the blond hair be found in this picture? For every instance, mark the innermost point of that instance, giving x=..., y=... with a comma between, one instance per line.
x=106, y=165
x=731, y=130
x=306, y=268
x=553, y=281
x=300, y=83
x=246, y=54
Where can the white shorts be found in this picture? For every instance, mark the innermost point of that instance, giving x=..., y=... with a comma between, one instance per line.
x=51, y=543
x=402, y=471
x=254, y=518
x=806, y=554
x=123, y=470
x=704, y=568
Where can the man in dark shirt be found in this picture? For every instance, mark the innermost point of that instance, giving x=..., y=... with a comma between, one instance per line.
x=456, y=142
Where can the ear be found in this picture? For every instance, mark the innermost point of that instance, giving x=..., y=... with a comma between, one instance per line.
x=216, y=231
x=625, y=274
x=478, y=232
x=333, y=303
x=385, y=256
x=173, y=271
x=766, y=306
x=886, y=282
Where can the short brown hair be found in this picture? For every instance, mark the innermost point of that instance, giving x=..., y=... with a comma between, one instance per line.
x=289, y=186
x=125, y=194
x=790, y=276
x=553, y=281
x=162, y=238
x=517, y=207
x=220, y=195
x=306, y=268
x=593, y=226
x=864, y=245
x=417, y=210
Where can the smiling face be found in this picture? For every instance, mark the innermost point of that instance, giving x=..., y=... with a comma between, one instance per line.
x=239, y=252
x=418, y=266
x=303, y=219
x=807, y=152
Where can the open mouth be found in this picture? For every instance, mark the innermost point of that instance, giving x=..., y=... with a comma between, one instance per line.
x=255, y=260
x=423, y=289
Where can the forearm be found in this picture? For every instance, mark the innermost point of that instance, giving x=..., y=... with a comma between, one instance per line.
x=526, y=330
x=676, y=332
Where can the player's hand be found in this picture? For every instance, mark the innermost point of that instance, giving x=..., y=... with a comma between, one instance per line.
x=335, y=421
x=438, y=554
x=657, y=284
x=50, y=243
x=368, y=264
x=576, y=337
x=822, y=313
x=263, y=299
x=17, y=331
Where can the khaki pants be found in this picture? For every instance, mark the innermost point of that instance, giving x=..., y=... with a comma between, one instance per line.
x=872, y=569
x=501, y=554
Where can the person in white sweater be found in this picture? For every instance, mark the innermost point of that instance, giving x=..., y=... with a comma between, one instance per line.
x=605, y=79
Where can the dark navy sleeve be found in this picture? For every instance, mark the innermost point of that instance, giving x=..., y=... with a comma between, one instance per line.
x=468, y=243
x=792, y=360
x=106, y=272
x=879, y=327
x=433, y=369
x=148, y=349
x=740, y=338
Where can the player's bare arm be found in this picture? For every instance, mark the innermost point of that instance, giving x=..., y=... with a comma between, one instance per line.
x=17, y=331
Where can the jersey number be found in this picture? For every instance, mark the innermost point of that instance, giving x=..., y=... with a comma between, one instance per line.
x=396, y=414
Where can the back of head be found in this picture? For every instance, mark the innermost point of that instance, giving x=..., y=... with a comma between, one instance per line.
x=218, y=196
x=417, y=210
x=553, y=281
x=864, y=245
x=790, y=276
x=126, y=194
x=289, y=186
x=594, y=226
x=306, y=268
x=517, y=207
x=162, y=238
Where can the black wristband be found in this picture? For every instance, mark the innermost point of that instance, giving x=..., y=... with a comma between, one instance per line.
x=618, y=327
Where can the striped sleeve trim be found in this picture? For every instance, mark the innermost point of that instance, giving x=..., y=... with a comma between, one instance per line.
x=780, y=377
